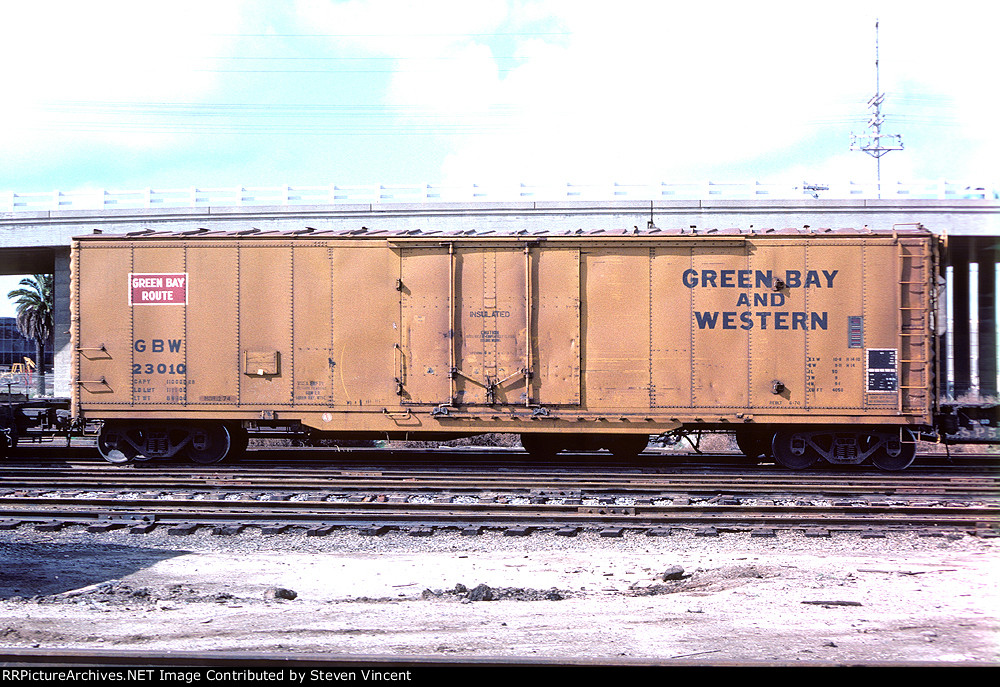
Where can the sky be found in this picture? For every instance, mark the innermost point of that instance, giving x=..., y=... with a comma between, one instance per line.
x=228, y=93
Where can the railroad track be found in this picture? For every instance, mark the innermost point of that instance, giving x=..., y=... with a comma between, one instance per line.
x=376, y=496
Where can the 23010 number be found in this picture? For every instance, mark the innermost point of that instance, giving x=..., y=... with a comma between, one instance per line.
x=161, y=368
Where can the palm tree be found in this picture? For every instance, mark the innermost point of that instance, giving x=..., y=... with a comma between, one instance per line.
x=34, y=318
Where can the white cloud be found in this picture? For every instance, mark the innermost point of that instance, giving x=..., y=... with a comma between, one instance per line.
x=664, y=90
x=653, y=97
x=110, y=52
x=401, y=27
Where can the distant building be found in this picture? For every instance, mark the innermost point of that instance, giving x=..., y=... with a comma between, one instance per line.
x=14, y=348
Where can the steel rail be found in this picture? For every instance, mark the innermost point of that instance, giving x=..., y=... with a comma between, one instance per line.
x=483, y=471
x=210, y=511
x=397, y=481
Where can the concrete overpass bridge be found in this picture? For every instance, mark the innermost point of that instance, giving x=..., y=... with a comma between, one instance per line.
x=36, y=229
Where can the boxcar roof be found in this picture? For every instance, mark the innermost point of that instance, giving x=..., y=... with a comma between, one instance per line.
x=648, y=233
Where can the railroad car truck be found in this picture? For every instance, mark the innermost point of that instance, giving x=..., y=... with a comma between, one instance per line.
x=807, y=344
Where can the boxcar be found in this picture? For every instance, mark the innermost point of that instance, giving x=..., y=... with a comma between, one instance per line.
x=805, y=344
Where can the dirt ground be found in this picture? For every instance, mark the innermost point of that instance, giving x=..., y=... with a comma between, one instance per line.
x=734, y=597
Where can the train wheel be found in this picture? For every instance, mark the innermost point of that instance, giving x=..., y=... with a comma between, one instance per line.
x=113, y=446
x=540, y=446
x=627, y=446
x=896, y=453
x=792, y=450
x=209, y=444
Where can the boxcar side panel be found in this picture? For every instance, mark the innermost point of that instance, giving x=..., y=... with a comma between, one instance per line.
x=102, y=326
x=425, y=329
x=158, y=326
x=555, y=328
x=213, y=357
x=364, y=326
x=312, y=282
x=880, y=386
x=778, y=370
x=833, y=355
x=268, y=364
x=719, y=341
x=616, y=310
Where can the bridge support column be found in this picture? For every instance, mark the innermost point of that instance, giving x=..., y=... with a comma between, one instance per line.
x=62, y=354
x=961, y=349
x=985, y=254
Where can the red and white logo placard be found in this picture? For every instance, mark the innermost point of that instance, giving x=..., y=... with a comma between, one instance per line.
x=157, y=289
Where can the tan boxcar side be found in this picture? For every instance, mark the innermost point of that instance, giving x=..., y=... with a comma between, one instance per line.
x=573, y=335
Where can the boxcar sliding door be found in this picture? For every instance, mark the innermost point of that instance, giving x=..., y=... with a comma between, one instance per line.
x=489, y=324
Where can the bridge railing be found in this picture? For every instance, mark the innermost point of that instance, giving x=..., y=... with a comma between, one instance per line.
x=102, y=199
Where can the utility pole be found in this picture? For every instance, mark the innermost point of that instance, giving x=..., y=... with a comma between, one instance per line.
x=873, y=142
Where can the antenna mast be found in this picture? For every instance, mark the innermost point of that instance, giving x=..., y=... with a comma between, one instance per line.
x=872, y=142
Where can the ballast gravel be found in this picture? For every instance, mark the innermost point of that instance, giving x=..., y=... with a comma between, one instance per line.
x=787, y=598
